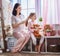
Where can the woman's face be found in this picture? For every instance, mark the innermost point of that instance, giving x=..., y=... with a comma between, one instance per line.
x=18, y=9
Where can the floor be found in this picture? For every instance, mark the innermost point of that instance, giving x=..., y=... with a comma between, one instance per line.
x=27, y=54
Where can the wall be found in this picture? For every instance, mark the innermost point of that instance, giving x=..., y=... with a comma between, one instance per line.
x=7, y=11
x=0, y=3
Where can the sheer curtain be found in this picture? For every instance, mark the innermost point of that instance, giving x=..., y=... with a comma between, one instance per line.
x=38, y=7
x=49, y=10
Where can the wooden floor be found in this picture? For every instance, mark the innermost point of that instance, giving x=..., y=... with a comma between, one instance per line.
x=27, y=54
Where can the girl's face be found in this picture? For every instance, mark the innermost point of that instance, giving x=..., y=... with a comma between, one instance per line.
x=18, y=9
x=34, y=17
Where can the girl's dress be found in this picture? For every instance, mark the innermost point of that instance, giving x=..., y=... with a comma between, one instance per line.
x=30, y=24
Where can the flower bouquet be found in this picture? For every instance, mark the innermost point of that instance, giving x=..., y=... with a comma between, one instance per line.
x=36, y=28
x=47, y=30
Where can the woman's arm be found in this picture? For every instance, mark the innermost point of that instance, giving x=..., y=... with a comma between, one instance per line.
x=17, y=24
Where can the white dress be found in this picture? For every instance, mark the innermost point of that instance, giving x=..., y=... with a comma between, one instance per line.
x=30, y=24
x=21, y=30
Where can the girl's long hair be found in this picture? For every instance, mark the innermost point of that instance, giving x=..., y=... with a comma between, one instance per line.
x=31, y=14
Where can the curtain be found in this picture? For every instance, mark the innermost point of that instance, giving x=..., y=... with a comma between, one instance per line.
x=37, y=8
x=49, y=10
x=58, y=10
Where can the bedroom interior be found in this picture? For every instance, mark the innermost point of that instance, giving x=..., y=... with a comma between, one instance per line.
x=48, y=18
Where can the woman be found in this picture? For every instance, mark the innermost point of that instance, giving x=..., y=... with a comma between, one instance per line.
x=19, y=29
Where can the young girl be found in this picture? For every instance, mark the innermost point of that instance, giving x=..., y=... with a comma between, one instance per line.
x=31, y=28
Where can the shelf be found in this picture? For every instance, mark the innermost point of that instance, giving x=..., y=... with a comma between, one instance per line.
x=51, y=36
x=1, y=51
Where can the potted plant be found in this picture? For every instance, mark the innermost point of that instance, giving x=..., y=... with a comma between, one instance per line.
x=40, y=19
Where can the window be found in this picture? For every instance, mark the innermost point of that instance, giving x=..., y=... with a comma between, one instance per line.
x=49, y=10
x=28, y=6
x=13, y=2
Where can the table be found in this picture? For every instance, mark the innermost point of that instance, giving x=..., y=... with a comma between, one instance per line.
x=47, y=37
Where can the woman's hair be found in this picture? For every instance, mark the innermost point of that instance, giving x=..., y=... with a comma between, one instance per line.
x=31, y=15
x=14, y=12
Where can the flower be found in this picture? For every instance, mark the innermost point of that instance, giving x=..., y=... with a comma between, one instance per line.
x=36, y=34
x=47, y=29
x=36, y=28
